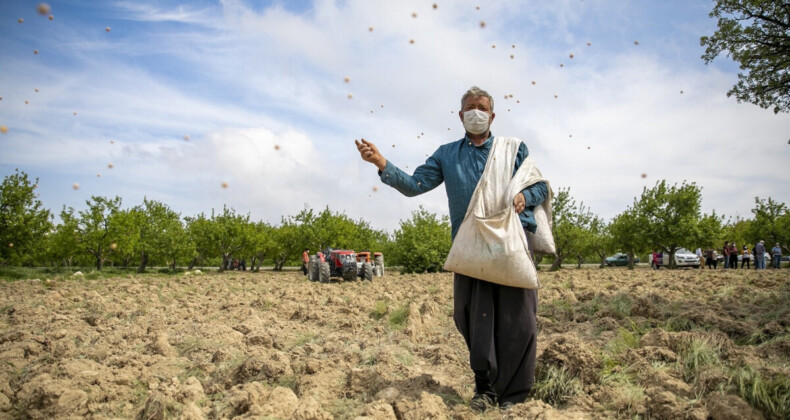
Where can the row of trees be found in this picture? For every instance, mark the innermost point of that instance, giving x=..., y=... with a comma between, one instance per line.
x=663, y=218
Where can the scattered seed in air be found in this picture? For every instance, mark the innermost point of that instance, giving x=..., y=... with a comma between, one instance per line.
x=644, y=175
x=36, y=90
x=493, y=45
x=370, y=29
x=571, y=56
x=482, y=24
x=186, y=137
x=589, y=43
x=533, y=82
x=3, y=129
x=113, y=245
x=512, y=56
x=110, y=165
x=375, y=189
x=636, y=42
x=107, y=29
x=224, y=184
x=393, y=145
x=555, y=96
x=112, y=141
x=562, y=65
x=11, y=245
x=20, y=20
x=411, y=41
x=588, y=147
x=276, y=147
x=43, y=9
x=513, y=46
x=75, y=186
x=35, y=51
x=435, y=6
x=51, y=17
x=98, y=175
x=681, y=92
x=570, y=135
x=414, y=15
x=27, y=102
x=346, y=79
x=350, y=96
x=477, y=7
x=518, y=101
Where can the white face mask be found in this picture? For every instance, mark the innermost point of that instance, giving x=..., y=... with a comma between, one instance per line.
x=476, y=121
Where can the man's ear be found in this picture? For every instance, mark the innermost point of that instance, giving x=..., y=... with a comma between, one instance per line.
x=461, y=115
x=490, y=120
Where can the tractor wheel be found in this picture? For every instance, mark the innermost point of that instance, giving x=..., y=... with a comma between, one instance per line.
x=323, y=274
x=349, y=275
x=379, y=260
x=367, y=272
x=312, y=269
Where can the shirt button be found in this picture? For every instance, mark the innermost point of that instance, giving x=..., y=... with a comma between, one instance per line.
x=470, y=143
x=484, y=315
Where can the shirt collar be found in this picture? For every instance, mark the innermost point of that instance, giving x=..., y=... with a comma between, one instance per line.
x=485, y=144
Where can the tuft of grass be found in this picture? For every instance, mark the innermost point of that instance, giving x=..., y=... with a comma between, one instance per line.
x=770, y=394
x=696, y=354
x=620, y=305
x=379, y=310
x=399, y=316
x=555, y=385
x=680, y=323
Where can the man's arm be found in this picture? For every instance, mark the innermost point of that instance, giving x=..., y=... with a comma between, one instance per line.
x=426, y=177
x=535, y=194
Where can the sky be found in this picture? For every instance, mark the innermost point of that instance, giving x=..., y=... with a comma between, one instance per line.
x=256, y=104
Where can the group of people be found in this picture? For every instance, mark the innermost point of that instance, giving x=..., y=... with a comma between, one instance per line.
x=731, y=252
x=237, y=264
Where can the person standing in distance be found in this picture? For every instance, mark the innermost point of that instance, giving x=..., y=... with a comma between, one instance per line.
x=497, y=322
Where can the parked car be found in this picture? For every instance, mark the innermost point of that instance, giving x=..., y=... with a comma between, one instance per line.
x=619, y=259
x=683, y=258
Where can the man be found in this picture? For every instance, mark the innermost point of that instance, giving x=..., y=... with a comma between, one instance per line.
x=759, y=255
x=305, y=260
x=498, y=322
x=776, y=253
x=726, y=252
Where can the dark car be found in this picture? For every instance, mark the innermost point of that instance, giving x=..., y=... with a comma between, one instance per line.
x=619, y=259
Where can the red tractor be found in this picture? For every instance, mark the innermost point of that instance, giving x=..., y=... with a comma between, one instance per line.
x=339, y=263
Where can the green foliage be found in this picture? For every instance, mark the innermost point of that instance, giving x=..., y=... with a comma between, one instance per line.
x=670, y=216
x=422, y=243
x=399, y=316
x=627, y=233
x=572, y=228
x=162, y=234
x=771, y=223
x=23, y=223
x=379, y=310
x=94, y=233
x=770, y=394
x=555, y=385
x=695, y=354
x=756, y=34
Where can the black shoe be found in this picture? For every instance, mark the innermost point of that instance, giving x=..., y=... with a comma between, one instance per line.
x=507, y=405
x=482, y=402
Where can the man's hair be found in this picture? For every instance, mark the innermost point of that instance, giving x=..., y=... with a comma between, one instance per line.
x=474, y=92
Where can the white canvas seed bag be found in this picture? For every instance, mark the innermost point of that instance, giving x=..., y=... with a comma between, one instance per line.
x=490, y=244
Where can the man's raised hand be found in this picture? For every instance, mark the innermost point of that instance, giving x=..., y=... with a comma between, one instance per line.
x=370, y=153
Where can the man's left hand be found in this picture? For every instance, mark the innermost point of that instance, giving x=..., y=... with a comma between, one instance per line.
x=519, y=203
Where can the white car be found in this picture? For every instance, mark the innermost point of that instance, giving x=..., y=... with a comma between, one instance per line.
x=683, y=258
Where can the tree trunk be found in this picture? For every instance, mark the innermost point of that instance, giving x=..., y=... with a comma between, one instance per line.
x=99, y=262
x=557, y=264
x=672, y=262
x=143, y=262
x=630, y=260
x=579, y=261
x=173, y=265
x=278, y=263
x=603, y=260
x=192, y=263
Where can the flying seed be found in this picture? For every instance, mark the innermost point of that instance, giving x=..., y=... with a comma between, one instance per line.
x=435, y=6
x=533, y=82
x=27, y=102
x=11, y=245
x=375, y=189
x=113, y=245
x=681, y=92
x=36, y=90
x=51, y=17
x=110, y=165
x=411, y=41
x=414, y=15
x=571, y=56
x=477, y=7
x=482, y=24
x=513, y=46
x=75, y=113
x=636, y=42
x=112, y=141
x=224, y=184
x=3, y=129
x=98, y=175
x=35, y=51
x=370, y=29
x=512, y=56
x=75, y=186
x=107, y=29
x=186, y=137
x=20, y=20
x=276, y=147
x=562, y=65
x=589, y=43
x=43, y=9
x=350, y=96
x=493, y=45
x=644, y=175
x=346, y=79
x=518, y=101
x=555, y=96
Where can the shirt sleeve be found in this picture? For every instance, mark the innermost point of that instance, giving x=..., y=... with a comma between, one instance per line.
x=425, y=178
x=535, y=194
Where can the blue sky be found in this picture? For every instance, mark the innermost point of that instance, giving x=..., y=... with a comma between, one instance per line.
x=181, y=97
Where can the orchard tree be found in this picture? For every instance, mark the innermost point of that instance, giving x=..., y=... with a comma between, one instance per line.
x=756, y=34
x=261, y=245
x=710, y=231
x=771, y=222
x=571, y=223
x=126, y=227
x=162, y=235
x=422, y=242
x=602, y=241
x=93, y=227
x=671, y=216
x=63, y=242
x=288, y=242
x=229, y=234
x=627, y=229
x=199, y=237
x=23, y=222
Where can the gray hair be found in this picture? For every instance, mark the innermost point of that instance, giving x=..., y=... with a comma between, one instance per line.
x=474, y=92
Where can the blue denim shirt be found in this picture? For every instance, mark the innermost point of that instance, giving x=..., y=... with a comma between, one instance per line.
x=460, y=165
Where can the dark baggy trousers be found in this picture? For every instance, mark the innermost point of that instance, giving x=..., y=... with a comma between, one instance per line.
x=499, y=324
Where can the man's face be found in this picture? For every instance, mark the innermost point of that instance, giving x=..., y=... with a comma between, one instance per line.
x=481, y=103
